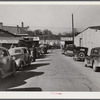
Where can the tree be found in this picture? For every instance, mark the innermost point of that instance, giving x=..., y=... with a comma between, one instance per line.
x=30, y=33
x=37, y=32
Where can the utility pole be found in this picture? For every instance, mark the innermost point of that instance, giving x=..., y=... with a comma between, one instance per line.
x=73, y=28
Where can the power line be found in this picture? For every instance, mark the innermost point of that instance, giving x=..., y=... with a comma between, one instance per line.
x=76, y=9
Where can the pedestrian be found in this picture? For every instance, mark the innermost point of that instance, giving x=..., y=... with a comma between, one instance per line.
x=33, y=53
x=52, y=47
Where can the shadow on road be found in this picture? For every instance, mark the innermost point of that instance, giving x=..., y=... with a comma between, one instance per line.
x=35, y=66
x=25, y=89
x=17, y=80
x=43, y=60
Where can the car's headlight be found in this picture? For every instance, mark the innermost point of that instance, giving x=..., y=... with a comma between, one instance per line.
x=13, y=58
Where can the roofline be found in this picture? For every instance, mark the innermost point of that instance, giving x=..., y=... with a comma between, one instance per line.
x=86, y=29
x=8, y=32
x=16, y=26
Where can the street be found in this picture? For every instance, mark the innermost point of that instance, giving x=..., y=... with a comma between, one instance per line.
x=53, y=72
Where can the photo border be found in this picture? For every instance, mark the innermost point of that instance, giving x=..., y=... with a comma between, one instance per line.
x=49, y=95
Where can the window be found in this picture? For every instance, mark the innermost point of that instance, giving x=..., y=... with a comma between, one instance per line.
x=17, y=51
x=95, y=51
x=82, y=49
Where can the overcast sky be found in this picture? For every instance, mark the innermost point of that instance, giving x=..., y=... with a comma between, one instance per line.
x=56, y=18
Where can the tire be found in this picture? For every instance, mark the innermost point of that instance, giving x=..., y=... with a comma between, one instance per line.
x=95, y=69
x=21, y=65
x=81, y=55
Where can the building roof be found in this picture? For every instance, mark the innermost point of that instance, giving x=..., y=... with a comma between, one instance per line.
x=96, y=48
x=95, y=27
x=9, y=40
x=11, y=34
x=90, y=27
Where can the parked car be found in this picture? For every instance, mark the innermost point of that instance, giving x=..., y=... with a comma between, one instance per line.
x=80, y=53
x=21, y=56
x=43, y=48
x=93, y=59
x=7, y=64
x=69, y=51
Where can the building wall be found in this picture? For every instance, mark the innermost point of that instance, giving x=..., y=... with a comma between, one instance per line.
x=14, y=29
x=50, y=41
x=90, y=39
x=10, y=29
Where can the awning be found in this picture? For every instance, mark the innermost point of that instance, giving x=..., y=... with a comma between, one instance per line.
x=9, y=41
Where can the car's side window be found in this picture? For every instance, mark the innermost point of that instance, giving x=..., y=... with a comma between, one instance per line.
x=95, y=51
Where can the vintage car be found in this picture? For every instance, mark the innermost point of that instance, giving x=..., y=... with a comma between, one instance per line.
x=43, y=48
x=7, y=64
x=21, y=56
x=69, y=51
x=93, y=59
x=80, y=53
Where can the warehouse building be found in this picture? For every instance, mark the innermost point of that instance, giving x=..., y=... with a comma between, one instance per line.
x=90, y=38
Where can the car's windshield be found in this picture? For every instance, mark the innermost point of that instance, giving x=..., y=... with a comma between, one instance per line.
x=15, y=51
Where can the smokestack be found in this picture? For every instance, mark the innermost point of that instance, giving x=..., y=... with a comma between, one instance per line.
x=22, y=24
x=17, y=29
x=1, y=25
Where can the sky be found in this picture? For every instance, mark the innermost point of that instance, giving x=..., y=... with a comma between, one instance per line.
x=57, y=18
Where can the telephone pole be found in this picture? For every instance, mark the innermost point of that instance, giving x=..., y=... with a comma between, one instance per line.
x=73, y=28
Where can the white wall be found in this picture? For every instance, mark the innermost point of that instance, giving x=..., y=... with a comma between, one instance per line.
x=77, y=39
x=90, y=38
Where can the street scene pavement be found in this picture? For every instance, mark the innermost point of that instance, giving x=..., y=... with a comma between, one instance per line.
x=53, y=72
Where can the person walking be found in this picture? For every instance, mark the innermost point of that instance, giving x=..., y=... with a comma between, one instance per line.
x=33, y=53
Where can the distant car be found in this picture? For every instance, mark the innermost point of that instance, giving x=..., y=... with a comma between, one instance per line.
x=21, y=56
x=93, y=59
x=69, y=51
x=80, y=53
x=44, y=48
x=7, y=64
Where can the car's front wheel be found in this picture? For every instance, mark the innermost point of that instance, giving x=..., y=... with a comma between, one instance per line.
x=21, y=65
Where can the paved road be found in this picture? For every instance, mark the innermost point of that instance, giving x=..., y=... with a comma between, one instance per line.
x=53, y=72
